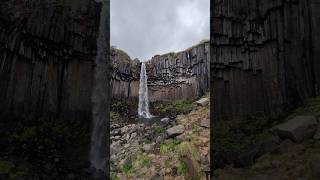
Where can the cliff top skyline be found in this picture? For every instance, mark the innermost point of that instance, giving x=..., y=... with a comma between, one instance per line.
x=145, y=28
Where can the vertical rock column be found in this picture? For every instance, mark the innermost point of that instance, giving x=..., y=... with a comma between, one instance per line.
x=263, y=57
x=47, y=53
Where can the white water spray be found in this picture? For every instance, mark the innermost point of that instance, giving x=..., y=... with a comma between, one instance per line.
x=143, y=109
x=98, y=151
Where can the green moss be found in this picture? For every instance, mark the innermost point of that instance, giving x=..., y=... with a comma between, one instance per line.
x=26, y=134
x=144, y=161
x=123, y=109
x=115, y=177
x=127, y=168
x=164, y=149
x=158, y=130
x=114, y=116
x=196, y=129
x=171, y=108
x=146, y=141
x=181, y=168
x=187, y=149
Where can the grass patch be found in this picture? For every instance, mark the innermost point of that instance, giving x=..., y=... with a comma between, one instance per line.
x=123, y=109
x=114, y=116
x=158, y=130
x=144, y=161
x=181, y=168
x=171, y=108
x=127, y=168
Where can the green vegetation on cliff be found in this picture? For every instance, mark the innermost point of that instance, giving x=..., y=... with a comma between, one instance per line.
x=172, y=108
x=42, y=147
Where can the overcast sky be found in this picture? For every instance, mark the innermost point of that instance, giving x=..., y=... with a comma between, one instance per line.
x=144, y=28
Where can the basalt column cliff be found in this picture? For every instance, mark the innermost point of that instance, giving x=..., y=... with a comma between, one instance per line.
x=172, y=76
x=265, y=56
x=48, y=75
x=46, y=57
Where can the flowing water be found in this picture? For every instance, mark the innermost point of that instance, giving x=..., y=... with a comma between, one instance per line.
x=98, y=151
x=143, y=109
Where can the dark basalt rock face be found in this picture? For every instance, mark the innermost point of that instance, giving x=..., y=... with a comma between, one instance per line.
x=182, y=75
x=172, y=76
x=265, y=56
x=125, y=75
x=47, y=52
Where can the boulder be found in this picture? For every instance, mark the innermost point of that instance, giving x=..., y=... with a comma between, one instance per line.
x=297, y=129
x=203, y=102
x=175, y=131
x=165, y=121
x=205, y=123
x=182, y=137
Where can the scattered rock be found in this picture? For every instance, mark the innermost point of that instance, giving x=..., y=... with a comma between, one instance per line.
x=203, y=102
x=148, y=147
x=159, y=139
x=165, y=121
x=133, y=135
x=156, y=176
x=168, y=170
x=188, y=127
x=298, y=129
x=176, y=130
x=116, y=138
x=182, y=137
x=125, y=161
x=124, y=129
x=127, y=137
x=205, y=123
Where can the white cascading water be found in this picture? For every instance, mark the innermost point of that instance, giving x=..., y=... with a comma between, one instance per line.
x=143, y=109
x=98, y=151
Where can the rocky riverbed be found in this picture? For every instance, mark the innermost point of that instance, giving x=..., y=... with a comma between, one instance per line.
x=172, y=148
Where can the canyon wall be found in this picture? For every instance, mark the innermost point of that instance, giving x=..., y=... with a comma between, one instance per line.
x=47, y=77
x=265, y=56
x=125, y=75
x=172, y=76
x=182, y=75
x=47, y=51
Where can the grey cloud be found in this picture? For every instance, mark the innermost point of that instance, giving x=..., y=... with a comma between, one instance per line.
x=144, y=28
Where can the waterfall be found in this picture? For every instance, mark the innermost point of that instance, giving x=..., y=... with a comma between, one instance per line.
x=98, y=151
x=143, y=109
